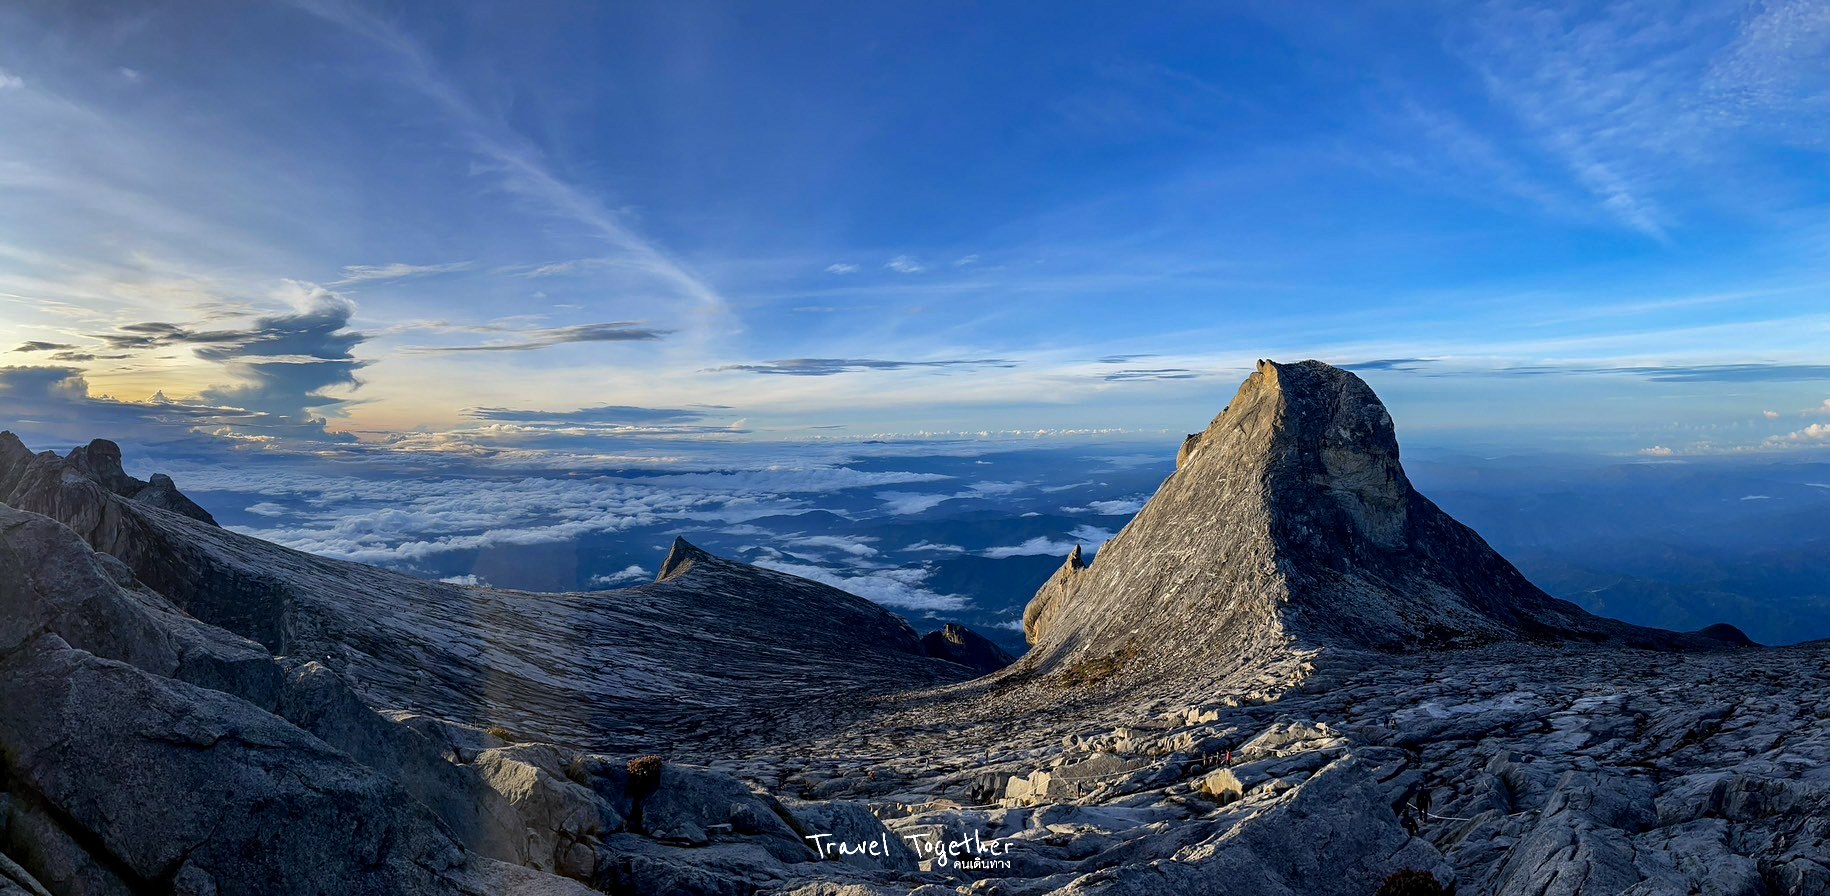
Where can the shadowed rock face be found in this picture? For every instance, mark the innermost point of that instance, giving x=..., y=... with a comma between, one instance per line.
x=142, y=751
x=100, y=460
x=1289, y=524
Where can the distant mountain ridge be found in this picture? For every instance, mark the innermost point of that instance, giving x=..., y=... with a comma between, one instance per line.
x=712, y=642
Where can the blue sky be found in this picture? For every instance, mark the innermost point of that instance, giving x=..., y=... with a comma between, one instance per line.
x=578, y=227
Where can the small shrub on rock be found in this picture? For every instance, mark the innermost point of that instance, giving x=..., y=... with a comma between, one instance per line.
x=644, y=775
x=1413, y=883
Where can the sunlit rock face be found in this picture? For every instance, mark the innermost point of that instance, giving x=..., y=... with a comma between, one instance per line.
x=1289, y=524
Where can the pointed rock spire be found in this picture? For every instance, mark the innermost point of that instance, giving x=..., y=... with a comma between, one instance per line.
x=1041, y=608
x=956, y=643
x=1288, y=524
x=680, y=558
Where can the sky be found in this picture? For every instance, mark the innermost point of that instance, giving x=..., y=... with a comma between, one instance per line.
x=601, y=230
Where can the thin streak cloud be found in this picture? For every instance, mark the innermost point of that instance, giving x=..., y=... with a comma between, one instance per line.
x=530, y=340
x=519, y=165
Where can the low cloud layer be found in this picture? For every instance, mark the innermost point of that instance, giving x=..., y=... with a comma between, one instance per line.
x=1089, y=538
x=506, y=424
x=899, y=587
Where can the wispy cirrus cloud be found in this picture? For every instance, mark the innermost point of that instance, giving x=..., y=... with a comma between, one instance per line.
x=1751, y=372
x=605, y=414
x=365, y=273
x=833, y=366
x=1630, y=98
x=1158, y=373
x=518, y=165
x=547, y=337
x=1387, y=364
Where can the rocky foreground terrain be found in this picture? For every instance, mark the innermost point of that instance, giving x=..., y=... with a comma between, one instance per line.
x=1290, y=674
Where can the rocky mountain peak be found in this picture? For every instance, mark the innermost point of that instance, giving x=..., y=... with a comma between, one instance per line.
x=956, y=643
x=680, y=558
x=73, y=481
x=1289, y=524
x=101, y=460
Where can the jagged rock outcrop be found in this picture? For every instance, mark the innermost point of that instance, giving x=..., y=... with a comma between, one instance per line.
x=958, y=644
x=1290, y=525
x=100, y=460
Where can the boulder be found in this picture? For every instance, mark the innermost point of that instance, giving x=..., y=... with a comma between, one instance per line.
x=1221, y=786
x=205, y=793
x=50, y=580
x=842, y=823
x=1334, y=835
x=562, y=823
x=14, y=881
x=477, y=812
x=689, y=805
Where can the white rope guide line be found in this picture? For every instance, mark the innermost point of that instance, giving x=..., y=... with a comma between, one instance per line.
x=1453, y=818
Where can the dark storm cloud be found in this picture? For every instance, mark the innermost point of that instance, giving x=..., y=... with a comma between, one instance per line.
x=831, y=366
x=284, y=362
x=319, y=331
